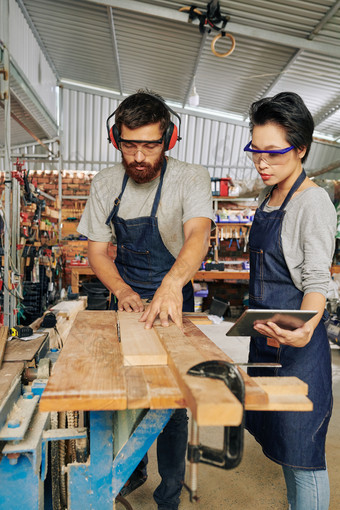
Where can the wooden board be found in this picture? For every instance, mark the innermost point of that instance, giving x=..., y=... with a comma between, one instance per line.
x=3, y=341
x=152, y=387
x=139, y=346
x=255, y=395
x=8, y=373
x=20, y=350
x=209, y=400
x=88, y=374
x=69, y=309
x=284, y=394
x=197, y=318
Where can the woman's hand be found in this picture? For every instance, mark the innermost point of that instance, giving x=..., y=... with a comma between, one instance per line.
x=297, y=338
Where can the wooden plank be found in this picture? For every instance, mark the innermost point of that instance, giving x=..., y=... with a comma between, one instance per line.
x=209, y=400
x=69, y=309
x=88, y=374
x=163, y=388
x=19, y=350
x=9, y=372
x=284, y=394
x=138, y=396
x=197, y=318
x=282, y=385
x=139, y=346
x=3, y=341
x=222, y=275
x=152, y=387
x=255, y=394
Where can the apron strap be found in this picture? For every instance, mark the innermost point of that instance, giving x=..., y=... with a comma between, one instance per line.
x=159, y=190
x=116, y=203
x=292, y=190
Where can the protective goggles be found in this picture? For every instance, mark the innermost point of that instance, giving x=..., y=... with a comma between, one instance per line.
x=147, y=147
x=274, y=157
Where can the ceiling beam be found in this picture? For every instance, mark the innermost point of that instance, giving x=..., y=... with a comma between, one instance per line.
x=38, y=38
x=329, y=14
x=115, y=47
x=234, y=28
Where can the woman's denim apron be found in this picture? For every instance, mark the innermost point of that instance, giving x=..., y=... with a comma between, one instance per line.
x=142, y=258
x=295, y=439
x=142, y=261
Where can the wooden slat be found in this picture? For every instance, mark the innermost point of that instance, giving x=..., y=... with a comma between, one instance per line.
x=209, y=400
x=88, y=374
x=138, y=396
x=282, y=385
x=255, y=395
x=284, y=394
x=69, y=309
x=152, y=387
x=139, y=346
x=19, y=350
x=163, y=388
x=9, y=372
x=3, y=341
x=197, y=318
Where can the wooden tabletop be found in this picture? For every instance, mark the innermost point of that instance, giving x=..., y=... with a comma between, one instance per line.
x=90, y=375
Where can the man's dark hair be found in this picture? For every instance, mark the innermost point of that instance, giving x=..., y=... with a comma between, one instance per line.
x=287, y=110
x=142, y=108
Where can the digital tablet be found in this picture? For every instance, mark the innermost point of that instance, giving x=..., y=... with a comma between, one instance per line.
x=286, y=319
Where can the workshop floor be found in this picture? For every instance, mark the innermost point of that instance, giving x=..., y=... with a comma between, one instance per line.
x=257, y=484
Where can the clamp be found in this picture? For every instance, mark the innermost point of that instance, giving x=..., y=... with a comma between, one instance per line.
x=230, y=455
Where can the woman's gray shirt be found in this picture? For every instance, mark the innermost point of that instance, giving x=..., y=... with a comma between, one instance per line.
x=308, y=238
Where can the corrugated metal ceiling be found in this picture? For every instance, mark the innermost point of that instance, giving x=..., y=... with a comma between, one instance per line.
x=125, y=45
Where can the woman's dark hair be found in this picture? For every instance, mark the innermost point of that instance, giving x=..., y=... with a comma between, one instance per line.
x=288, y=110
x=142, y=108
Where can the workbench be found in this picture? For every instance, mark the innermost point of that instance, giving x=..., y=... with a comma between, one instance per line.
x=78, y=271
x=136, y=401
x=128, y=397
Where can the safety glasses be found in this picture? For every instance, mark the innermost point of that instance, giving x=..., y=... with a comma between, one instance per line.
x=147, y=147
x=274, y=157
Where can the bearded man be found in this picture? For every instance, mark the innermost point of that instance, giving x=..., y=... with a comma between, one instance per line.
x=158, y=211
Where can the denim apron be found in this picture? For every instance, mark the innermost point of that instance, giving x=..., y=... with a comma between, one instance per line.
x=295, y=439
x=142, y=258
x=142, y=261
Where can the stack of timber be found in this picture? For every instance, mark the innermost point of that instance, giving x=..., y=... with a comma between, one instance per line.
x=91, y=374
x=65, y=312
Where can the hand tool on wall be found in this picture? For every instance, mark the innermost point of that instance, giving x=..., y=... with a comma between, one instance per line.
x=234, y=236
x=246, y=239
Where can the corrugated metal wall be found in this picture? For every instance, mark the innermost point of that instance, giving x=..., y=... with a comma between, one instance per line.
x=216, y=144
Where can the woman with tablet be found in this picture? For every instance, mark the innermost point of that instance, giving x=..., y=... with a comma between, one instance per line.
x=291, y=246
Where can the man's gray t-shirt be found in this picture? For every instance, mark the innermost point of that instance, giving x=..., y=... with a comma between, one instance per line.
x=186, y=194
x=308, y=238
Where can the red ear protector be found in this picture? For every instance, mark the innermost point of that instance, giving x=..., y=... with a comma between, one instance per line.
x=171, y=136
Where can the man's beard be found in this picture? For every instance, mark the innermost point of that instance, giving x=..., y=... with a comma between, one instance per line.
x=148, y=171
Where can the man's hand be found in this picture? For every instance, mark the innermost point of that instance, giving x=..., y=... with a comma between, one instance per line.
x=167, y=302
x=297, y=338
x=129, y=300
